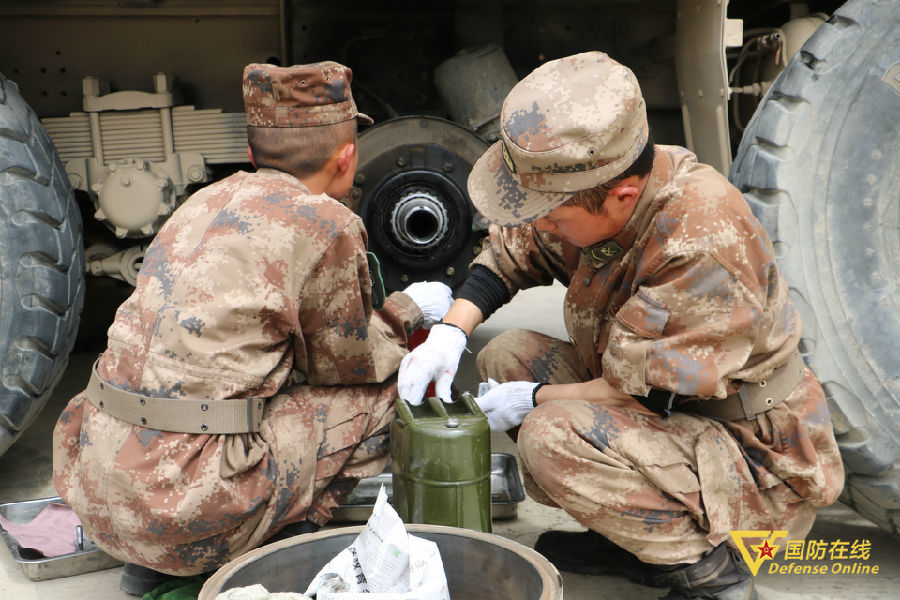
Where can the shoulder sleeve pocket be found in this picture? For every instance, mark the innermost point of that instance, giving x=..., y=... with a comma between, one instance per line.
x=644, y=315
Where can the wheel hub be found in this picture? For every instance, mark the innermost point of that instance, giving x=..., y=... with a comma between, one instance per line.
x=411, y=191
x=419, y=220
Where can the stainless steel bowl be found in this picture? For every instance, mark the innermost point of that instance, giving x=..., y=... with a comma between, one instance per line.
x=478, y=565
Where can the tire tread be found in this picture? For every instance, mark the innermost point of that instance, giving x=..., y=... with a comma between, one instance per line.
x=42, y=289
x=771, y=169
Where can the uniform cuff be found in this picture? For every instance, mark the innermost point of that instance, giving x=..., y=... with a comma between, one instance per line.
x=403, y=309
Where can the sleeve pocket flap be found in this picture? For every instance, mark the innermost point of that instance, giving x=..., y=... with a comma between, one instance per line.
x=644, y=315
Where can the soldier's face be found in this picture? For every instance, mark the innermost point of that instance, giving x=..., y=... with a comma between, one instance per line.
x=582, y=228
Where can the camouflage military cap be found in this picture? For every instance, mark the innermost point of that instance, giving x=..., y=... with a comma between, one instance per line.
x=300, y=95
x=571, y=124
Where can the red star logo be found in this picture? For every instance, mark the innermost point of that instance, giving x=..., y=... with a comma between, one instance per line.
x=765, y=550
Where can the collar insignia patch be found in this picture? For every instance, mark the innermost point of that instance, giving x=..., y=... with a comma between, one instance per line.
x=602, y=253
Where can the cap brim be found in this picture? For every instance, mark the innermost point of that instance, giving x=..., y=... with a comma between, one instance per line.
x=364, y=119
x=497, y=194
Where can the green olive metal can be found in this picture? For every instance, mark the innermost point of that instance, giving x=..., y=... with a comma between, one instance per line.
x=441, y=463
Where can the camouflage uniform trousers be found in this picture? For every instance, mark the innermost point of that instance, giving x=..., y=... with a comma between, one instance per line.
x=186, y=504
x=667, y=490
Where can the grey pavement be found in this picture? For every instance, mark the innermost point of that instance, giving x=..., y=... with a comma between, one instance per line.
x=25, y=474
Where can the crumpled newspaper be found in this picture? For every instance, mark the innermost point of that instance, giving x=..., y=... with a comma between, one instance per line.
x=384, y=562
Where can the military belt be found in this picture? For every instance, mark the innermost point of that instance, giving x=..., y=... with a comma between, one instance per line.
x=752, y=399
x=233, y=415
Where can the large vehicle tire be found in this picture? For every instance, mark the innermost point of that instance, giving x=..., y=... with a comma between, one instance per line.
x=41, y=266
x=820, y=165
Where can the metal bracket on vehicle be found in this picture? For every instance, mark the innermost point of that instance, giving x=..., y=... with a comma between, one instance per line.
x=702, y=34
x=136, y=153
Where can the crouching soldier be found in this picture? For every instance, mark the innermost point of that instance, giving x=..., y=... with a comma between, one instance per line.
x=679, y=409
x=247, y=383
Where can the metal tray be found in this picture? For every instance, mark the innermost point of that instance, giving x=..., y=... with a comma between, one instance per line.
x=506, y=492
x=40, y=568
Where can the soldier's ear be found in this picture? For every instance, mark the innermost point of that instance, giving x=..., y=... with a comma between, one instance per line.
x=627, y=194
x=628, y=191
x=344, y=157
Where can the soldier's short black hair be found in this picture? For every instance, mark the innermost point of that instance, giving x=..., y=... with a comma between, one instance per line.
x=300, y=151
x=643, y=164
x=592, y=199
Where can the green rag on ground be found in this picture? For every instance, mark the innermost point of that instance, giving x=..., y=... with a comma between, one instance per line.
x=182, y=588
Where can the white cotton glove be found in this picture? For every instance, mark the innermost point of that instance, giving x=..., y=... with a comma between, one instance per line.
x=435, y=360
x=433, y=297
x=505, y=404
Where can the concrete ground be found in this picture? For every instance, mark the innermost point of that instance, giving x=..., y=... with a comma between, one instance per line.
x=25, y=474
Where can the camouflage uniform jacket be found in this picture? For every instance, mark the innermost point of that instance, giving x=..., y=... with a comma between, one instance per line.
x=693, y=304
x=251, y=278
